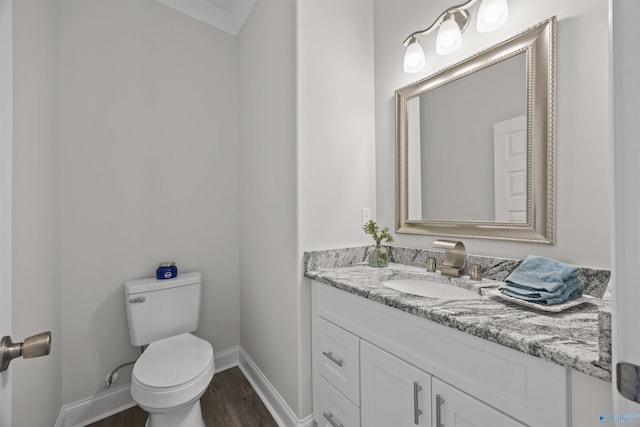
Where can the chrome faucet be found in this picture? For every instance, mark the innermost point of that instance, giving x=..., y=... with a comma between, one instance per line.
x=454, y=257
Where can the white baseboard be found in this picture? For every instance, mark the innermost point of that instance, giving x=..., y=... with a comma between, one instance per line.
x=97, y=407
x=111, y=402
x=60, y=419
x=227, y=359
x=276, y=405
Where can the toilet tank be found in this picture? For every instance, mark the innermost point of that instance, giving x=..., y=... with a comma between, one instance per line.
x=158, y=309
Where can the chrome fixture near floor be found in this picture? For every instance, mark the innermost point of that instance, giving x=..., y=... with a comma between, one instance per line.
x=113, y=375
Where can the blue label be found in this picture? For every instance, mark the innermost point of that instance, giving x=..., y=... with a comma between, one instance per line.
x=163, y=273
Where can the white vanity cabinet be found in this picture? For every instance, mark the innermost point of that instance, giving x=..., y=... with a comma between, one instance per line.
x=394, y=393
x=395, y=365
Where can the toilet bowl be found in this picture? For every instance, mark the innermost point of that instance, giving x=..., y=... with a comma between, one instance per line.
x=170, y=377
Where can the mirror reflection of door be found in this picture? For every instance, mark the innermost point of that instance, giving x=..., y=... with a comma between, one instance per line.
x=510, y=169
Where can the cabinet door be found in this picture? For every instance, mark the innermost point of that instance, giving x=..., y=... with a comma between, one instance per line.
x=393, y=393
x=458, y=409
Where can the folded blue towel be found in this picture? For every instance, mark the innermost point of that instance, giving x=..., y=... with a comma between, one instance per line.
x=545, y=281
x=542, y=273
x=571, y=293
x=572, y=290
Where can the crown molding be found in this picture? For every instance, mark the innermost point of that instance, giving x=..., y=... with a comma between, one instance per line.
x=230, y=21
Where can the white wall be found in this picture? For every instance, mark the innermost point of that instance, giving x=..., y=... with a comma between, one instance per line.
x=268, y=275
x=582, y=193
x=336, y=131
x=148, y=164
x=36, y=288
x=302, y=184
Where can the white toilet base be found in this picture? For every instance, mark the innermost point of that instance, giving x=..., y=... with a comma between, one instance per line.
x=189, y=416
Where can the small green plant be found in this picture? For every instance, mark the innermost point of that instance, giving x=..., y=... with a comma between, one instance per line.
x=372, y=228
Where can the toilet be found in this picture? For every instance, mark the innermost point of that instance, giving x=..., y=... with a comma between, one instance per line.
x=176, y=367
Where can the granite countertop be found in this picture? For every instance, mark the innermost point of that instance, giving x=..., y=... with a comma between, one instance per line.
x=569, y=338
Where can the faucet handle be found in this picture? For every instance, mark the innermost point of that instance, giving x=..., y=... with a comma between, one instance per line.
x=431, y=264
x=474, y=272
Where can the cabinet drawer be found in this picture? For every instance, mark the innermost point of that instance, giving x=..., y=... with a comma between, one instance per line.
x=331, y=408
x=337, y=358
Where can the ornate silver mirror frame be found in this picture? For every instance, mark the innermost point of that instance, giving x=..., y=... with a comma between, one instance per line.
x=538, y=43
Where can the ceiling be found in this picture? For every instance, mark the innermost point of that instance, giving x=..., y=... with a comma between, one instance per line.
x=226, y=15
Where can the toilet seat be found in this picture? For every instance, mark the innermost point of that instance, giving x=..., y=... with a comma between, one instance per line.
x=172, y=371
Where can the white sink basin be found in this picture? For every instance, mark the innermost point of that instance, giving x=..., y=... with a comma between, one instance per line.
x=428, y=288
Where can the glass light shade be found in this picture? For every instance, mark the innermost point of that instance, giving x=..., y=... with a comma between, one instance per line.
x=449, y=37
x=414, y=58
x=492, y=15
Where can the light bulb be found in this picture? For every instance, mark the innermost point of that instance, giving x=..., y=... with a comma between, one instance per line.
x=414, y=57
x=449, y=37
x=492, y=15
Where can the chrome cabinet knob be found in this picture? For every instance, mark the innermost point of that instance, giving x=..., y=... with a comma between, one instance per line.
x=35, y=346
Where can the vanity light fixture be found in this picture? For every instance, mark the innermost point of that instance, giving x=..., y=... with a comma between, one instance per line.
x=449, y=37
x=492, y=14
x=413, y=57
x=451, y=23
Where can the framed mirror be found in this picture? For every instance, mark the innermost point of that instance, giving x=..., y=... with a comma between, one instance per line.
x=475, y=144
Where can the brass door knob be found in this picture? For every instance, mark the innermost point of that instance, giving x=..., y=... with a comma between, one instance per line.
x=34, y=346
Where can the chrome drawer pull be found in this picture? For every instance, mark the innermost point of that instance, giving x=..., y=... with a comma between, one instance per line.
x=416, y=411
x=439, y=402
x=329, y=418
x=329, y=356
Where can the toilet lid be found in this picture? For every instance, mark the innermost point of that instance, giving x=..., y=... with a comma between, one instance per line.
x=173, y=361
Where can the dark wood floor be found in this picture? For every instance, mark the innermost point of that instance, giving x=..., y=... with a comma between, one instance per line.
x=228, y=402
